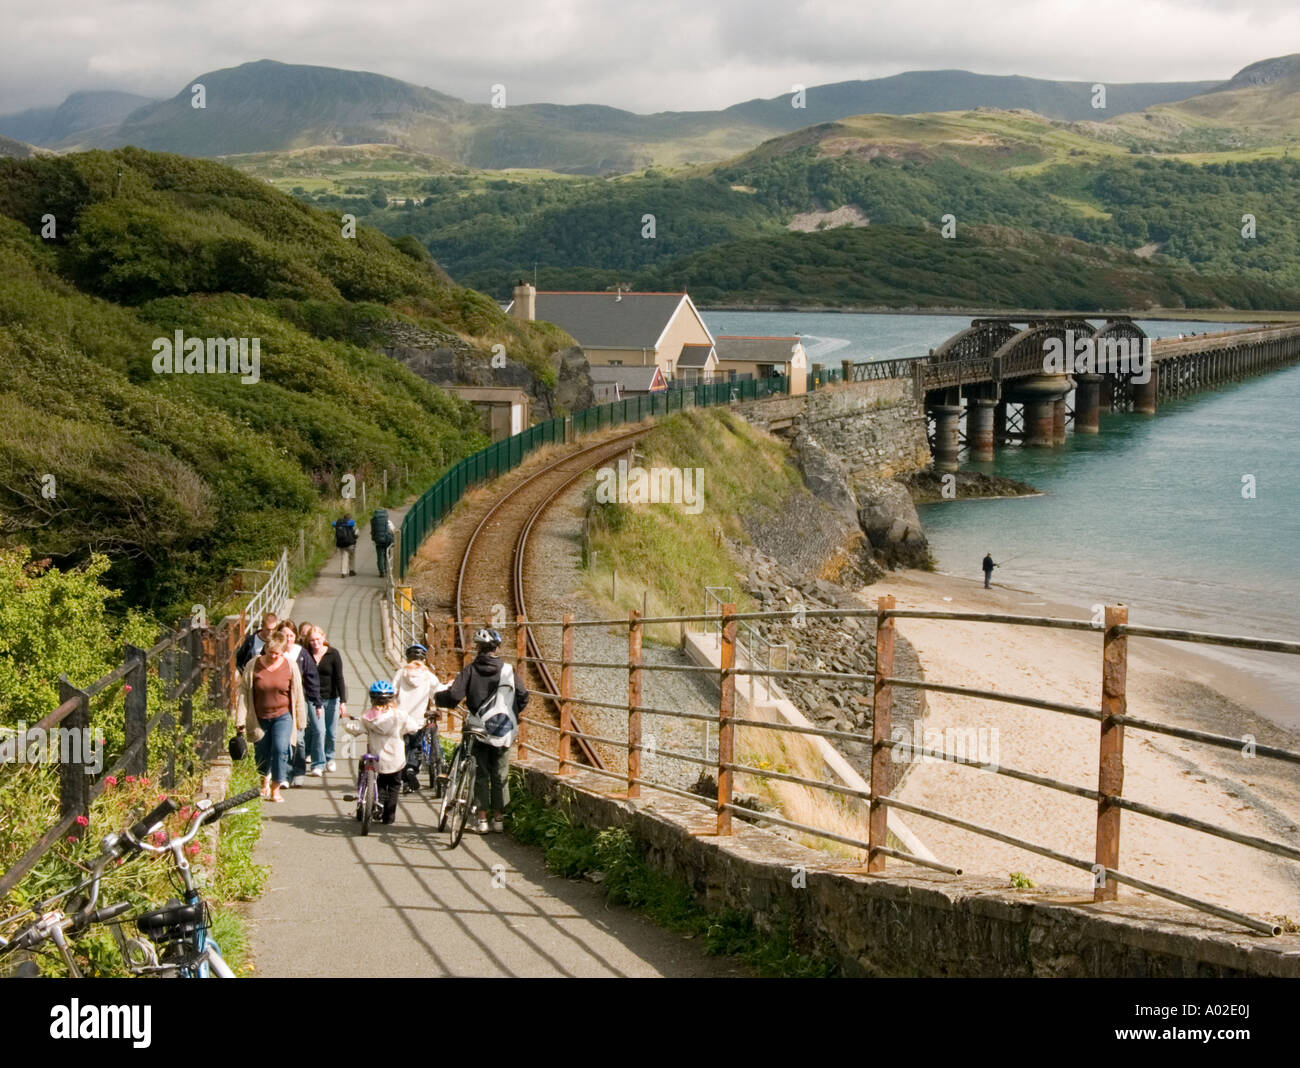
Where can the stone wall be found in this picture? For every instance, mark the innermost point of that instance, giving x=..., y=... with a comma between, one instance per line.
x=911, y=921
x=874, y=428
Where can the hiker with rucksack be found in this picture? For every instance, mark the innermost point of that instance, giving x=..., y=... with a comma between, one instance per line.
x=345, y=539
x=495, y=697
x=383, y=533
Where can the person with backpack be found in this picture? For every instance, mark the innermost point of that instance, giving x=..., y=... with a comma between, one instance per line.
x=495, y=697
x=383, y=533
x=345, y=538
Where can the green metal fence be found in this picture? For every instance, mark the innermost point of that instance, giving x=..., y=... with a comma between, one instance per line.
x=509, y=453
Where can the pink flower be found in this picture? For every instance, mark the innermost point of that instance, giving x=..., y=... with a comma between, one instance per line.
x=207, y=858
x=72, y=838
x=130, y=778
x=82, y=821
x=111, y=780
x=126, y=689
x=144, y=780
x=193, y=849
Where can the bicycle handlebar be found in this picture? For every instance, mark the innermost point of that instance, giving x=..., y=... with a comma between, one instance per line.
x=222, y=807
x=138, y=830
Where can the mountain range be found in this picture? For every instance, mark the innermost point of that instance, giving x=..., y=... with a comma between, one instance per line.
x=267, y=106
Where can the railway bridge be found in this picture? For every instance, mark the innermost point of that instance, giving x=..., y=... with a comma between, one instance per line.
x=1022, y=379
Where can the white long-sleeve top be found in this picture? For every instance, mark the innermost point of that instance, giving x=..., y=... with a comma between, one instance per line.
x=385, y=730
x=416, y=684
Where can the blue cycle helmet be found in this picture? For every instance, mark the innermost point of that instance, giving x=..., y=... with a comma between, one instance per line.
x=416, y=652
x=382, y=688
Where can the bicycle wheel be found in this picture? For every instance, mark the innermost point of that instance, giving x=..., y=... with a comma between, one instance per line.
x=435, y=765
x=461, y=802
x=366, y=797
x=453, y=779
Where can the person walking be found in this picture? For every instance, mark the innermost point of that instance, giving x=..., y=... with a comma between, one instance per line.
x=415, y=684
x=383, y=534
x=333, y=697
x=385, y=726
x=311, y=690
x=254, y=641
x=493, y=693
x=345, y=539
x=271, y=690
x=988, y=565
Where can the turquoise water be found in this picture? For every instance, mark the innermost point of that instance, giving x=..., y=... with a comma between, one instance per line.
x=1149, y=512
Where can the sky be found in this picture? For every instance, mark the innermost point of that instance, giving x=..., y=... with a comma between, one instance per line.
x=678, y=55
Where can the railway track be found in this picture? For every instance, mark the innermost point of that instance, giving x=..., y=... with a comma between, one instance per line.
x=502, y=534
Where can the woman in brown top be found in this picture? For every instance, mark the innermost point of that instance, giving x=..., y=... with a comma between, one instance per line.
x=271, y=686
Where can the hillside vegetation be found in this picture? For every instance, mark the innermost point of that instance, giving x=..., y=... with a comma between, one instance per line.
x=181, y=478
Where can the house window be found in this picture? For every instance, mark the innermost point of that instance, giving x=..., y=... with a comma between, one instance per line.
x=615, y=363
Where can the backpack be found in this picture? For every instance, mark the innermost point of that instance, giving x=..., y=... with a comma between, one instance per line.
x=379, y=528
x=497, y=714
x=345, y=534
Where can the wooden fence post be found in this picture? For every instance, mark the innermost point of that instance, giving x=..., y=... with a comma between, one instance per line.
x=1110, y=766
x=882, y=708
x=566, y=693
x=726, y=708
x=74, y=783
x=454, y=667
x=521, y=665
x=634, y=704
x=136, y=710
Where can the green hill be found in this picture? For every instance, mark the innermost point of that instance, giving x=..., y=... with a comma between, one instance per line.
x=185, y=477
x=267, y=106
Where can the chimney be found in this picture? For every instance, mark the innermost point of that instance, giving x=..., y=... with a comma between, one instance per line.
x=525, y=306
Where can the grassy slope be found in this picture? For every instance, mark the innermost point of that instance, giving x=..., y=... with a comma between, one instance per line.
x=185, y=477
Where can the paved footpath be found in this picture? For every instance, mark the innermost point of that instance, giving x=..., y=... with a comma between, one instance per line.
x=398, y=902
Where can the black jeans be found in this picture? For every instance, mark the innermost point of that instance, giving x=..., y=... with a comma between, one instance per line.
x=390, y=788
x=491, y=784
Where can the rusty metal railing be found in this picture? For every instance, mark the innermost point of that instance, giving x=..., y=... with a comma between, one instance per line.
x=1110, y=715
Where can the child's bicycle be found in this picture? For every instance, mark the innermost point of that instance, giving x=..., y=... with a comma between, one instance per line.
x=431, y=754
x=367, y=795
x=458, y=799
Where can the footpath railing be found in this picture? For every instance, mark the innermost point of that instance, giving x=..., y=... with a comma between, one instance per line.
x=505, y=455
x=872, y=804
x=191, y=663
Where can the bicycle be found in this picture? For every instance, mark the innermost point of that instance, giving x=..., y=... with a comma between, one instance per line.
x=431, y=755
x=458, y=798
x=181, y=927
x=367, y=792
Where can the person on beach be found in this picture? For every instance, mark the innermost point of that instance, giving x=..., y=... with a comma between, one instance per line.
x=385, y=725
x=271, y=686
x=333, y=696
x=254, y=642
x=988, y=567
x=311, y=690
x=415, y=684
x=493, y=693
x=345, y=539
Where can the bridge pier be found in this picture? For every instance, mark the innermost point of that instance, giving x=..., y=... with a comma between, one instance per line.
x=980, y=412
x=1087, y=404
x=947, y=441
x=1058, y=421
x=1041, y=395
x=1144, y=393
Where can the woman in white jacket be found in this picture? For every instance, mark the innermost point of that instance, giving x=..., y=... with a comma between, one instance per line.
x=415, y=684
x=386, y=725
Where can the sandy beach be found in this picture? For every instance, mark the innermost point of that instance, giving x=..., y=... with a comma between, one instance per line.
x=1166, y=682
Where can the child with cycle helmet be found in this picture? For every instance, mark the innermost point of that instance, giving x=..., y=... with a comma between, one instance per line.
x=386, y=725
x=415, y=684
x=485, y=685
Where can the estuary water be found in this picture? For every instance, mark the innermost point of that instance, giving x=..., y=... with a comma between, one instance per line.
x=1155, y=511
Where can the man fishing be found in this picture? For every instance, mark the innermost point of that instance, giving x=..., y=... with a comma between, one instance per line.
x=988, y=566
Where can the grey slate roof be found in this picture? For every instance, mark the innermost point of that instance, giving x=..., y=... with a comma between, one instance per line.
x=598, y=321
x=694, y=355
x=630, y=379
x=755, y=349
